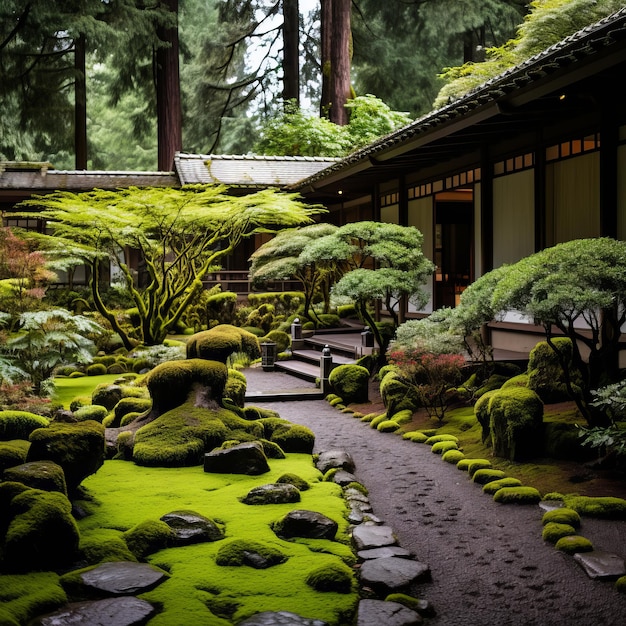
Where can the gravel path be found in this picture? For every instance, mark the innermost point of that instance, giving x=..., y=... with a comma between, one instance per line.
x=488, y=561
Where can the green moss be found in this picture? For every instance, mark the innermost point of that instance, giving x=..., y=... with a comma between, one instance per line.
x=96, y=369
x=336, y=577
x=94, y=412
x=294, y=438
x=387, y=426
x=453, y=456
x=358, y=487
x=280, y=338
x=416, y=436
x=620, y=584
x=104, y=545
x=296, y=481
x=45, y=475
x=603, y=507
x=336, y=401
x=367, y=419
x=126, y=406
x=476, y=464
x=402, y=417
x=218, y=343
x=433, y=439
x=19, y=424
x=351, y=382
x=440, y=447
x=24, y=597
x=235, y=553
x=562, y=515
x=397, y=394
x=13, y=453
x=148, y=537
x=484, y=476
x=379, y=419
x=573, y=544
x=553, y=531
x=491, y=487
x=405, y=600
x=517, y=495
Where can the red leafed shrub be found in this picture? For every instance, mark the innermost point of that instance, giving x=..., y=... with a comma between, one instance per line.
x=434, y=377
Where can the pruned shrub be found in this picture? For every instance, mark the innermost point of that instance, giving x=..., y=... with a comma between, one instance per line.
x=397, y=394
x=94, y=412
x=350, y=382
x=452, y=456
x=218, y=343
x=294, y=438
x=96, y=369
x=19, y=424
x=387, y=426
x=221, y=307
x=439, y=447
x=484, y=476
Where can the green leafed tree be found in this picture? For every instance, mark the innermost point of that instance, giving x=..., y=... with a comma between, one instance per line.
x=281, y=259
x=179, y=235
x=378, y=263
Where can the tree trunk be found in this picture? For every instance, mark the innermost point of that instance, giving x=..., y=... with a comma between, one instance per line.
x=326, y=12
x=169, y=115
x=80, y=105
x=340, y=61
x=291, y=51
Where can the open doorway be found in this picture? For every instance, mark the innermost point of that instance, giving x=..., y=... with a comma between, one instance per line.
x=454, y=236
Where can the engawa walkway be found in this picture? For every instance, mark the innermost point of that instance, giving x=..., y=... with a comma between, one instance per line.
x=488, y=561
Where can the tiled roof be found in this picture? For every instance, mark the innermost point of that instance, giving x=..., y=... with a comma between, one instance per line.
x=247, y=170
x=36, y=177
x=582, y=46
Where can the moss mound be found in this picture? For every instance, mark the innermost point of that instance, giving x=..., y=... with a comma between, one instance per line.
x=387, y=426
x=573, y=544
x=254, y=553
x=603, y=507
x=517, y=495
x=350, y=382
x=148, y=537
x=19, y=424
x=553, y=531
x=453, y=456
x=484, y=476
x=563, y=515
x=218, y=343
x=13, y=453
x=336, y=577
x=440, y=447
x=416, y=436
x=496, y=485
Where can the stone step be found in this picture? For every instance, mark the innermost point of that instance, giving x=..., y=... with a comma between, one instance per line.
x=314, y=356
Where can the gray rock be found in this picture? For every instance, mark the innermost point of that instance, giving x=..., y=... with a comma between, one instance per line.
x=110, y=612
x=372, y=536
x=602, y=565
x=343, y=478
x=381, y=613
x=550, y=505
x=384, y=552
x=390, y=574
x=274, y=493
x=334, y=458
x=190, y=527
x=302, y=523
x=123, y=578
x=281, y=618
x=244, y=458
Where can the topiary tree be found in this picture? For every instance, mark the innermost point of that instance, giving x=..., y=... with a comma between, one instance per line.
x=219, y=342
x=350, y=382
x=180, y=235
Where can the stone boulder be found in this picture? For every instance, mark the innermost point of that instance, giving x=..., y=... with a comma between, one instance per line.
x=190, y=527
x=44, y=475
x=392, y=574
x=334, y=458
x=123, y=578
x=310, y=524
x=125, y=611
x=274, y=493
x=367, y=536
x=245, y=458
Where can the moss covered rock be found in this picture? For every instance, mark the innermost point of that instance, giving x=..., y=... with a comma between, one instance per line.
x=148, y=537
x=107, y=395
x=336, y=577
x=553, y=531
x=126, y=406
x=218, y=343
x=13, y=453
x=563, y=515
x=19, y=424
x=294, y=438
x=78, y=448
x=42, y=533
x=236, y=386
x=572, y=544
x=252, y=553
x=397, y=394
x=350, y=382
x=517, y=495
x=95, y=412
x=44, y=475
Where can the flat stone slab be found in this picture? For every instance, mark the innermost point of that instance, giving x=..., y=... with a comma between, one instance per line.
x=123, y=578
x=126, y=611
x=384, y=552
x=598, y=564
x=381, y=613
x=392, y=573
x=334, y=458
x=282, y=618
x=371, y=536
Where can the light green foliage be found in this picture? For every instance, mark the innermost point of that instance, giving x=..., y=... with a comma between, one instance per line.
x=517, y=495
x=571, y=544
x=294, y=133
x=546, y=375
x=95, y=412
x=521, y=380
x=13, y=453
x=182, y=234
x=280, y=338
x=294, y=438
x=549, y=22
x=396, y=253
x=496, y=485
x=281, y=258
x=553, y=531
x=563, y=515
x=19, y=424
x=474, y=465
x=379, y=419
x=397, y=394
x=126, y=406
x=387, y=426
x=402, y=417
x=26, y=596
x=437, y=438
x=350, y=382
x=416, y=436
x=48, y=339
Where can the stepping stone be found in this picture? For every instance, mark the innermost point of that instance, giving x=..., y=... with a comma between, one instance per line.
x=343, y=478
x=123, y=578
x=550, y=505
x=281, y=618
x=383, y=553
x=110, y=612
x=602, y=565
x=379, y=613
x=391, y=574
x=334, y=458
x=372, y=536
